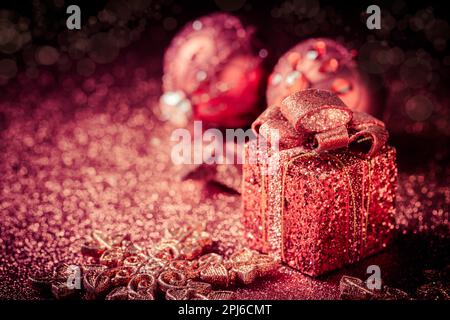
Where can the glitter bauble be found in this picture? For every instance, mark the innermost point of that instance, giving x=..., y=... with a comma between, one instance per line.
x=213, y=70
x=323, y=64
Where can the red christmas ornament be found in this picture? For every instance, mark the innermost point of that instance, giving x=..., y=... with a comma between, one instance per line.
x=323, y=64
x=212, y=70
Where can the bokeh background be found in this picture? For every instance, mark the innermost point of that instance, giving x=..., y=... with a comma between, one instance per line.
x=82, y=146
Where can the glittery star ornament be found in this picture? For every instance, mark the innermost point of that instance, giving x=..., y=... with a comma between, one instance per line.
x=323, y=64
x=213, y=71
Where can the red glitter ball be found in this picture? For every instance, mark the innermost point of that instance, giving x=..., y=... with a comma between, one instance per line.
x=323, y=64
x=213, y=65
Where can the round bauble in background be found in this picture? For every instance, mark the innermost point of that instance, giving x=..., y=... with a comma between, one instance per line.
x=323, y=64
x=213, y=72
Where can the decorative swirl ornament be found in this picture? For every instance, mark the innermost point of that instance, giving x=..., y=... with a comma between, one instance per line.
x=184, y=266
x=142, y=287
x=171, y=279
x=111, y=257
x=209, y=258
x=134, y=260
x=119, y=293
x=127, y=272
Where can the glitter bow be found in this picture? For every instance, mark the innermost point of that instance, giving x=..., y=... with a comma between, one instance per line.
x=319, y=121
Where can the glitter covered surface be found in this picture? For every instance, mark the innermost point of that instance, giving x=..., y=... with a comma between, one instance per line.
x=85, y=153
x=67, y=170
x=350, y=202
x=315, y=210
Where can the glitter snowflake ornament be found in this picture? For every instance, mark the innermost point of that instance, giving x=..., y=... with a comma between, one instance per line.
x=213, y=71
x=322, y=64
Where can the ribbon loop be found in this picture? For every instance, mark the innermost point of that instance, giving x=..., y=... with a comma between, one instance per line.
x=331, y=139
x=280, y=130
x=315, y=111
x=271, y=113
x=368, y=142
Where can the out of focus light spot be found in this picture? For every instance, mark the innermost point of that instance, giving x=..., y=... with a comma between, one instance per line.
x=85, y=67
x=46, y=55
x=104, y=48
x=263, y=53
x=419, y=108
x=416, y=73
x=197, y=25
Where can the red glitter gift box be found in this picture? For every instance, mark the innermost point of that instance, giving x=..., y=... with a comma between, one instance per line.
x=323, y=194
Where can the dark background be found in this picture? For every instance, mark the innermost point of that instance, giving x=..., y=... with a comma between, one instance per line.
x=414, y=38
x=415, y=35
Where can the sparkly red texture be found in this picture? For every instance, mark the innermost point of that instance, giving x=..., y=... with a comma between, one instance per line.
x=214, y=62
x=323, y=64
x=319, y=211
